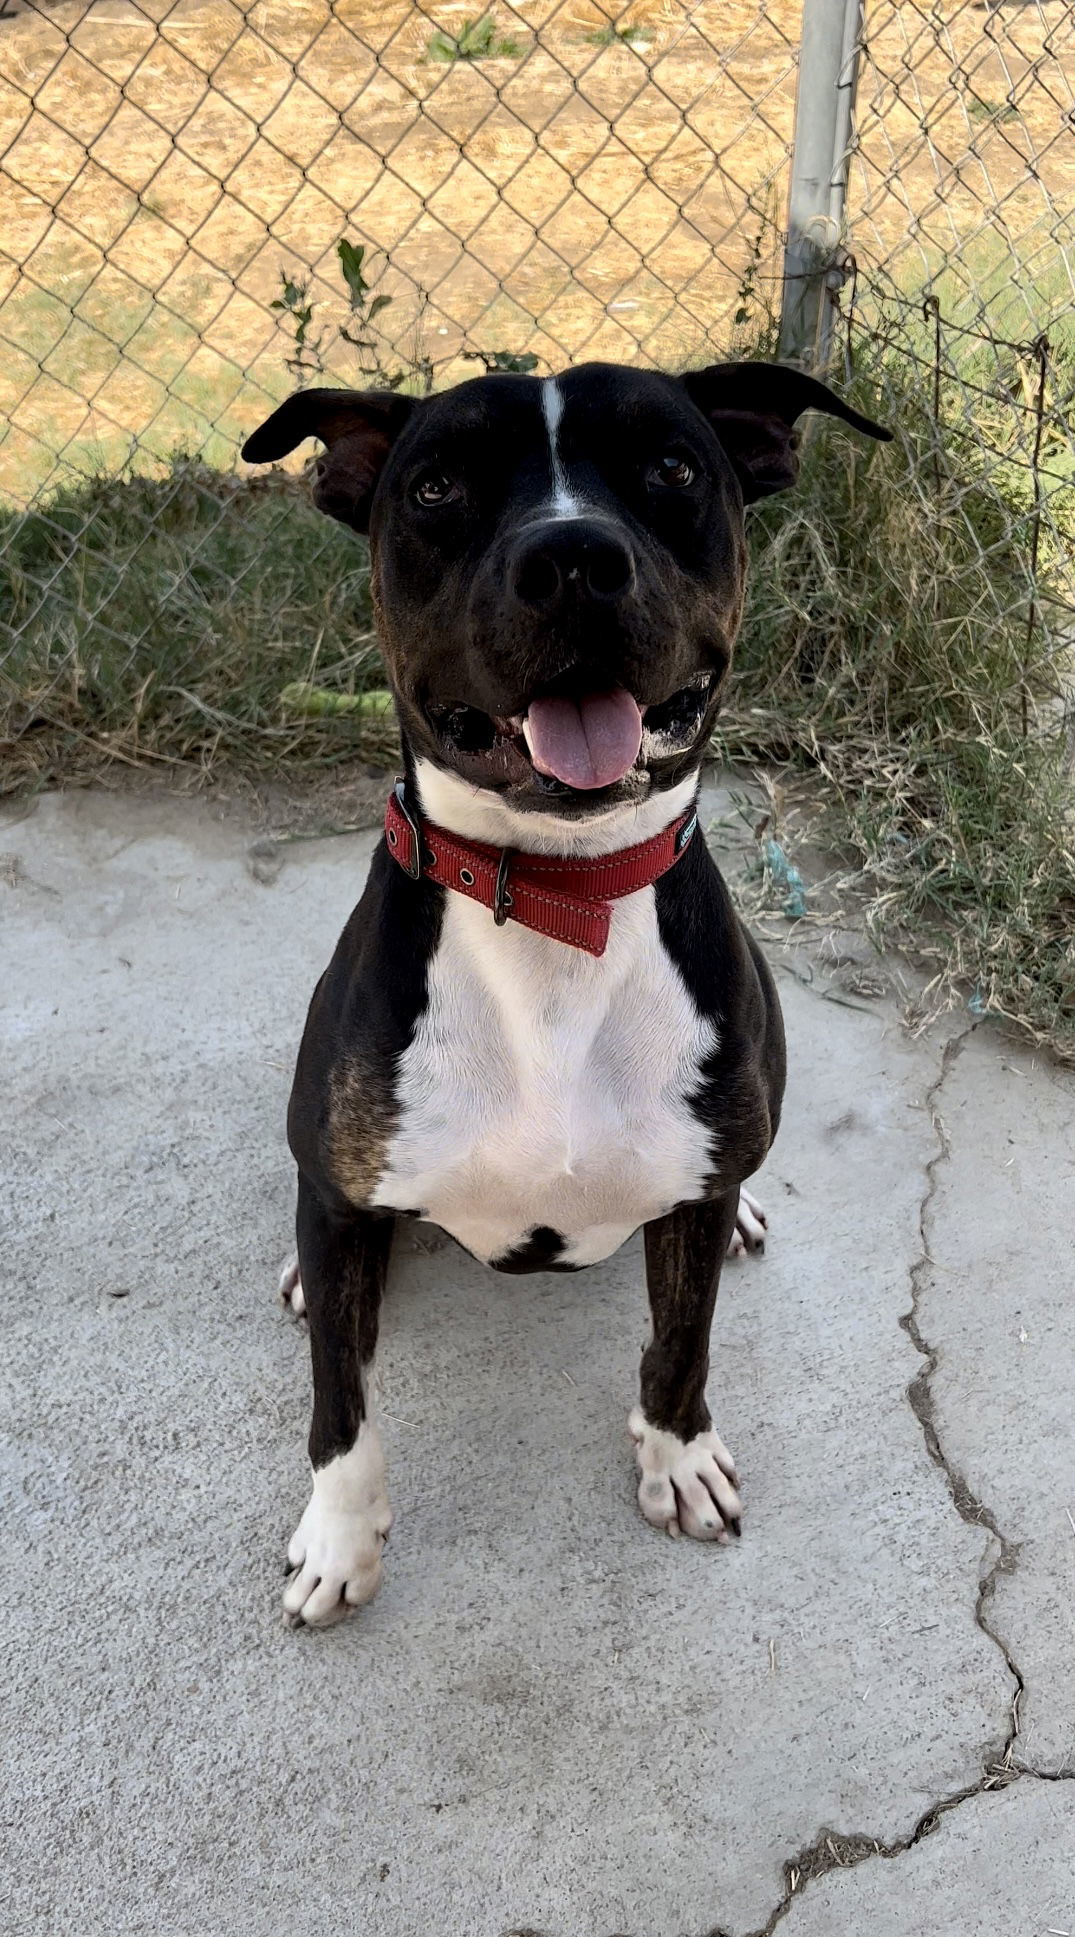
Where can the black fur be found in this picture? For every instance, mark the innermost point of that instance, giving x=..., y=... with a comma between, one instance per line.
x=730, y=981
x=487, y=601
x=539, y=1251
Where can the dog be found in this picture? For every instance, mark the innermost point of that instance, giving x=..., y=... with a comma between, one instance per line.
x=544, y=1025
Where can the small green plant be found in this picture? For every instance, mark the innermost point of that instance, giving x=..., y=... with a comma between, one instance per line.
x=308, y=356
x=979, y=109
x=415, y=370
x=364, y=304
x=613, y=35
x=505, y=362
x=753, y=311
x=478, y=39
x=306, y=359
x=363, y=307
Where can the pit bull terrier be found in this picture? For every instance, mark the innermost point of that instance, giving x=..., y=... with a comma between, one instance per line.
x=544, y=1025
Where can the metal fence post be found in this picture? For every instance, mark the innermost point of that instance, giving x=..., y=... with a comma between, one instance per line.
x=824, y=108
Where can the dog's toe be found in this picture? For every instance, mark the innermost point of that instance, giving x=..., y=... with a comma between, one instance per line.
x=313, y=1603
x=686, y=1486
x=290, y=1289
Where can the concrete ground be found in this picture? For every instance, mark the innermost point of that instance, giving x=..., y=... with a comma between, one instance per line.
x=553, y=1720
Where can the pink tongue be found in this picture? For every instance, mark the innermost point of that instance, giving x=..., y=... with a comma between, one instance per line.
x=590, y=742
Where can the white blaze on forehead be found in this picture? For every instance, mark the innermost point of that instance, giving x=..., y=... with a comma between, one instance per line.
x=564, y=503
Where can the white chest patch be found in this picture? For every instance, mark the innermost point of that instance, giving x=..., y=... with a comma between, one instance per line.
x=546, y=1088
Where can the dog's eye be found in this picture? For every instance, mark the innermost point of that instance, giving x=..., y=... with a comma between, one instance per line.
x=435, y=489
x=672, y=470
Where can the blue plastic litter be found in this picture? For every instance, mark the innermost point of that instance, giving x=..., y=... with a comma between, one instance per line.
x=787, y=879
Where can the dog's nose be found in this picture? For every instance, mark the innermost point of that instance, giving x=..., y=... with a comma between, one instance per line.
x=571, y=559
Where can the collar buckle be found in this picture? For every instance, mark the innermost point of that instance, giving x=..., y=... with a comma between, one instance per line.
x=503, y=902
x=413, y=868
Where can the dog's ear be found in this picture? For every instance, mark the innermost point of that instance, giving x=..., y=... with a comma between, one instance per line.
x=357, y=428
x=753, y=408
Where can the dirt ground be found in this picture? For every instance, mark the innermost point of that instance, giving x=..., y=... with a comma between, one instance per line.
x=163, y=162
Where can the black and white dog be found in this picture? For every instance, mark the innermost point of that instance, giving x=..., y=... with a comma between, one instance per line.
x=544, y=1024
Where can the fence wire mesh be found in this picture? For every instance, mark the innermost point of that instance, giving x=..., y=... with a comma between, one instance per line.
x=960, y=269
x=548, y=181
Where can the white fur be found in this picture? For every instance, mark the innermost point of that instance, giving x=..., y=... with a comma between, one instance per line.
x=686, y=1486
x=289, y=1288
x=564, y=502
x=545, y=1086
x=478, y=815
x=335, y=1550
x=751, y=1225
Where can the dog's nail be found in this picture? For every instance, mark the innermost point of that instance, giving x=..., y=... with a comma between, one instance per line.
x=673, y=1529
x=736, y=1528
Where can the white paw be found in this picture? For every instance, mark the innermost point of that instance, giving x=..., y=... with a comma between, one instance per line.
x=751, y=1225
x=335, y=1551
x=687, y=1486
x=290, y=1288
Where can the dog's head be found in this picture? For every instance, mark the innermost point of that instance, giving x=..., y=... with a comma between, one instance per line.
x=558, y=564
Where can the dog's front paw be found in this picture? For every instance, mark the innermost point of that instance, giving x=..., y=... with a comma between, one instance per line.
x=687, y=1485
x=336, y=1563
x=335, y=1553
x=751, y=1225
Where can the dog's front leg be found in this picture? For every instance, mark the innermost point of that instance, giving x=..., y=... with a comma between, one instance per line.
x=688, y=1479
x=335, y=1552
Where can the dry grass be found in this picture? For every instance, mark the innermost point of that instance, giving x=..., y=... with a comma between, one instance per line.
x=157, y=622
x=899, y=643
x=888, y=647
x=598, y=195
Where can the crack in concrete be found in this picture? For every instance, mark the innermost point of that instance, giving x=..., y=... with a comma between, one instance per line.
x=830, y=1849
x=920, y=1398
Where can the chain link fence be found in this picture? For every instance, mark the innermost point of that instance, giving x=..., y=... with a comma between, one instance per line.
x=960, y=270
x=202, y=203
x=544, y=181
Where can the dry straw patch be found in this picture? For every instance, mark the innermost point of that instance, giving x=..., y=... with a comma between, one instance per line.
x=160, y=160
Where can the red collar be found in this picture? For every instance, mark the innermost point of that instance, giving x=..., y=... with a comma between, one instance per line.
x=556, y=895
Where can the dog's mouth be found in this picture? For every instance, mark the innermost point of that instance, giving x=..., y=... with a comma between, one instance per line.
x=566, y=744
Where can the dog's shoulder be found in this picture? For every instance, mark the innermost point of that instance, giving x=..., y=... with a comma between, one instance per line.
x=343, y=1111
x=731, y=984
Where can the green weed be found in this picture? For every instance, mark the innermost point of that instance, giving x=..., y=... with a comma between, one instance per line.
x=478, y=39
x=616, y=36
